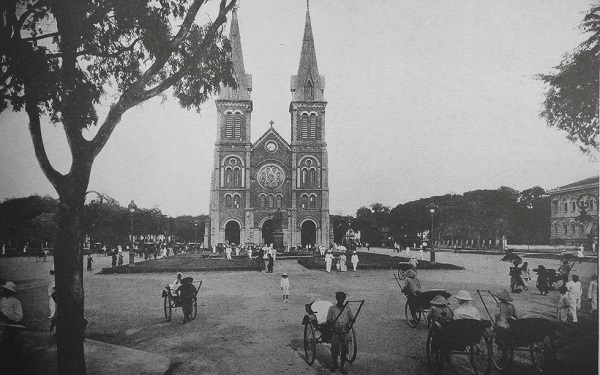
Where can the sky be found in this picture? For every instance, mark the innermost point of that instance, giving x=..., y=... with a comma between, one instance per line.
x=424, y=98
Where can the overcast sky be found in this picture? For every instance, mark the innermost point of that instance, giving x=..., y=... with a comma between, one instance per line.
x=424, y=98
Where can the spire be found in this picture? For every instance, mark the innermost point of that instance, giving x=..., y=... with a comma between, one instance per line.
x=308, y=85
x=243, y=80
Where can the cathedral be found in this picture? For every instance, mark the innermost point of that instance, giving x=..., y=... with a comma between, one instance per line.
x=271, y=191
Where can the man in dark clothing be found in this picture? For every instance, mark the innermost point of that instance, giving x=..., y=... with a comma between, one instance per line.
x=114, y=259
x=187, y=292
x=340, y=319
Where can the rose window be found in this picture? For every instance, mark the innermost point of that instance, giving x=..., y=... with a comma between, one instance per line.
x=271, y=176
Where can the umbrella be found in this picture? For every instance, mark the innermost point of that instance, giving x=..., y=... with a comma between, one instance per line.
x=511, y=258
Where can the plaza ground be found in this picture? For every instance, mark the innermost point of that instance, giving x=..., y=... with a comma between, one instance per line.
x=243, y=327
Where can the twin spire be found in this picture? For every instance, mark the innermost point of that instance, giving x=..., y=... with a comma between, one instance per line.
x=307, y=85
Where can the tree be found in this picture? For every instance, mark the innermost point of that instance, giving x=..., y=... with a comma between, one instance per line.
x=572, y=98
x=60, y=58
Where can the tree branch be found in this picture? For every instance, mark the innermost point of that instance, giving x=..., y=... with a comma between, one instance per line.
x=38, y=144
x=107, y=54
x=35, y=38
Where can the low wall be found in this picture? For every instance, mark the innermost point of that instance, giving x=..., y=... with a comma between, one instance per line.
x=541, y=248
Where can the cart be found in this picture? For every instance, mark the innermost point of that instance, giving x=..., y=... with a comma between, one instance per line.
x=459, y=337
x=172, y=300
x=318, y=331
x=533, y=335
x=417, y=309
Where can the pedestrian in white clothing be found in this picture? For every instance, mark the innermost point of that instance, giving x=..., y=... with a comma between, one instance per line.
x=421, y=255
x=574, y=292
x=354, y=260
x=285, y=287
x=328, y=261
x=408, y=251
x=249, y=253
x=228, y=252
x=593, y=294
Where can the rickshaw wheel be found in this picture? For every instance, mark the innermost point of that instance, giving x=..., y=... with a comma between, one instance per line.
x=310, y=343
x=543, y=354
x=480, y=355
x=195, y=309
x=167, y=306
x=351, y=355
x=413, y=316
x=501, y=355
x=435, y=357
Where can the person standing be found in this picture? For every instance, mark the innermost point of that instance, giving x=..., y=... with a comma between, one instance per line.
x=542, y=280
x=11, y=313
x=574, y=292
x=269, y=263
x=51, y=290
x=593, y=294
x=121, y=259
x=340, y=319
x=228, y=252
x=89, y=262
x=354, y=260
x=525, y=277
x=114, y=259
x=328, y=261
x=421, y=254
x=285, y=287
x=249, y=252
x=408, y=251
x=187, y=292
x=563, y=304
x=343, y=260
x=564, y=270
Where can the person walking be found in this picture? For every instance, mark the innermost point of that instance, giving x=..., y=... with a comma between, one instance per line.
x=593, y=294
x=564, y=270
x=270, y=263
x=328, y=261
x=354, y=260
x=343, y=260
x=285, y=287
x=563, y=304
x=340, y=318
x=574, y=292
x=542, y=280
x=89, y=262
x=187, y=292
x=525, y=277
x=120, y=259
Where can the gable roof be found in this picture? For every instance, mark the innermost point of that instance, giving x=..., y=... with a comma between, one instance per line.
x=274, y=132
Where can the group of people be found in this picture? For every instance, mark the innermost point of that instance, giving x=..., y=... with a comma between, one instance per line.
x=340, y=261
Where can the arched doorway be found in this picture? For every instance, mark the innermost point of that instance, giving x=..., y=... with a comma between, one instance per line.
x=267, y=231
x=309, y=233
x=232, y=232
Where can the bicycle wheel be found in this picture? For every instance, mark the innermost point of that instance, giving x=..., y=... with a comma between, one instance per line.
x=543, y=354
x=167, y=307
x=195, y=309
x=351, y=355
x=310, y=343
x=412, y=314
x=502, y=355
x=480, y=355
x=435, y=357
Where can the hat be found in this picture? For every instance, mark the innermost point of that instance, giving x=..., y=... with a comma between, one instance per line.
x=10, y=286
x=463, y=295
x=410, y=273
x=339, y=295
x=503, y=296
x=354, y=252
x=284, y=275
x=439, y=301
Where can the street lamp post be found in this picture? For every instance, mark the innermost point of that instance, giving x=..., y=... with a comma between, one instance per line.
x=132, y=207
x=432, y=208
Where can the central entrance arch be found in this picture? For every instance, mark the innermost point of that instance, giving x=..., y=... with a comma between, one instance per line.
x=267, y=231
x=232, y=232
x=308, y=233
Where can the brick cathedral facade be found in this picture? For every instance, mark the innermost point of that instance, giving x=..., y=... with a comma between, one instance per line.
x=271, y=183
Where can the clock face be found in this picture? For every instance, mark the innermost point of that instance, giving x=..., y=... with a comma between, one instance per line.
x=271, y=146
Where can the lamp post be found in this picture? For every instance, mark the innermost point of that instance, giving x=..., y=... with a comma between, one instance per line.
x=432, y=208
x=132, y=207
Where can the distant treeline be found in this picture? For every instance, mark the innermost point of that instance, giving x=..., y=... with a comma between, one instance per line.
x=31, y=221
x=473, y=217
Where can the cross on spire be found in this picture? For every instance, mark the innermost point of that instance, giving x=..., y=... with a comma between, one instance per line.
x=271, y=122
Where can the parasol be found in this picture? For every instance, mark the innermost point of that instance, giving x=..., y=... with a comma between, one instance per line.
x=511, y=258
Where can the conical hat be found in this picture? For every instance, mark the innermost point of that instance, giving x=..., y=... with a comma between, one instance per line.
x=439, y=301
x=503, y=295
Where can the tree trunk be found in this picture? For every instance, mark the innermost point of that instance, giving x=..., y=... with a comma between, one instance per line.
x=68, y=263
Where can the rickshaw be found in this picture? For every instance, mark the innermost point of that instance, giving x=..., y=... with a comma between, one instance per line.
x=172, y=300
x=317, y=330
x=415, y=312
x=459, y=337
x=533, y=335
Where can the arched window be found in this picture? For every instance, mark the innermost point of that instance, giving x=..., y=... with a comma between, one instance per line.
x=304, y=201
x=312, y=178
x=573, y=206
x=303, y=178
x=236, y=201
x=312, y=132
x=228, y=200
x=565, y=206
x=581, y=229
x=271, y=203
x=555, y=230
x=262, y=201
x=309, y=92
x=228, y=177
x=572, y=228
x=237, y=177
x=229, y=125
x=566, y=228
x=304, y=126
x=278, y=199
x=313, y=201
x=237, y=126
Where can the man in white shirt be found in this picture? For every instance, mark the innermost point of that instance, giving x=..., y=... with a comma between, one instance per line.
x=574, y=292
x=328, y=261
x=465, y=310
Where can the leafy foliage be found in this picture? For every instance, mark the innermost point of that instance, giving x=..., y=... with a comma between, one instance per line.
x=571, y=102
